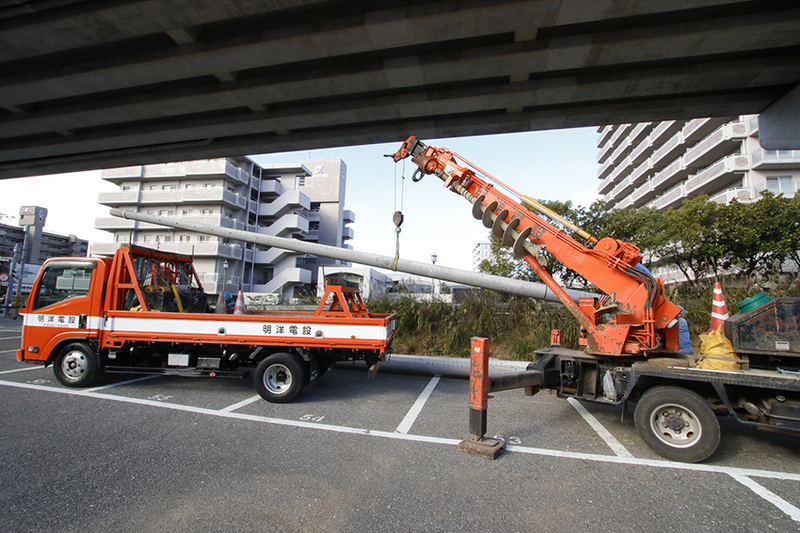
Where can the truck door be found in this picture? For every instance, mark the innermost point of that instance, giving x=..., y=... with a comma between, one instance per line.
x=61, y=306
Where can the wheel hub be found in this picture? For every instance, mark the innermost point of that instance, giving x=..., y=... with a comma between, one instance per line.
x=74, y=365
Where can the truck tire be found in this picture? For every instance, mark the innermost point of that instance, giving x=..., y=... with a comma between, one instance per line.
x=280, y=377
x=677, y=424
x=75, y=365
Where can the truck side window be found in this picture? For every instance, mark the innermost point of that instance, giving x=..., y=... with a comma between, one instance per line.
x=60, y=282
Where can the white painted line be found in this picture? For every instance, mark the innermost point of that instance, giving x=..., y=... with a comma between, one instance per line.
x=8, y=338
x=7, y=351
x=241, y=404
x=771, y=497
x=22, y=369
x=416, y=409
x=615, y=445
x=740, y=474
x=110, y=385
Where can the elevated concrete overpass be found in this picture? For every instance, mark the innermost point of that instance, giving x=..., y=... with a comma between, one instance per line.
x=103, y=83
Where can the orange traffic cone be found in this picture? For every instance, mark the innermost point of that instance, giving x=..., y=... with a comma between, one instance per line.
x=719, y=311
x=240, y=308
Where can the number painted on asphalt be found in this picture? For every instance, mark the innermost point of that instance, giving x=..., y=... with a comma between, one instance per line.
x=312, y=418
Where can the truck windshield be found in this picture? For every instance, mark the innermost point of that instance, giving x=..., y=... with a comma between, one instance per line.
x=62, y=281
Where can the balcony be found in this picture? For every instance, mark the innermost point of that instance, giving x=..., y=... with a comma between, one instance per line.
x=724, y=141
x=775, y=159
x=117, y=175
x=623, y=188
x=643, y=194
x=603, y=133
x=202, y=249
x=621, y=151
x=664, y=130
x=118, y=198
x=670, y=175
x=721, y=174
x=348, y=217
x=619, y=133
x=640, y=132
x=641, y=152
x=115, y=223
x=105, y=249
x=347, y=234
x=641, y=173
x=606, y=185
x=673, y=198
x=739, y=194
x=697, y=129
x=668, y=152
x=271, y=187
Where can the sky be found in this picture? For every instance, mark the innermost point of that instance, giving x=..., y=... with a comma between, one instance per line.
x=546, y=165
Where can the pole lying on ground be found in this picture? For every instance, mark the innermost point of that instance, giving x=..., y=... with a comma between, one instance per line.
x=537, y=291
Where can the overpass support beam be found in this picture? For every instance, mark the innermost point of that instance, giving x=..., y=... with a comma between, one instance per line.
x=779, y=124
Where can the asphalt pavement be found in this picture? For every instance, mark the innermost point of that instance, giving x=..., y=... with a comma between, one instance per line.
x=358, y=454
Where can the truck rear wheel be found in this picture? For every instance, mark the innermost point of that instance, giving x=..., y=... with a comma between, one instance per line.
x=280, y=377
x=677, y=424
x=75, y=365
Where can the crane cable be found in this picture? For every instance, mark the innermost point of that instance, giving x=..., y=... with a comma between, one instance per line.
x=397, y=217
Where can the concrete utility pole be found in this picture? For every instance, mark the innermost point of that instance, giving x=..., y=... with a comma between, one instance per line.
x=538, y=291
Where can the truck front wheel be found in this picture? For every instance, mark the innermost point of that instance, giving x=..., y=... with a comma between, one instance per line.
x=280, y=377
x=75, y=365
x=677, y=424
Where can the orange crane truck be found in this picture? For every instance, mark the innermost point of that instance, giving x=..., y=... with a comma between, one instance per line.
x=629, y=331
x=144, y=311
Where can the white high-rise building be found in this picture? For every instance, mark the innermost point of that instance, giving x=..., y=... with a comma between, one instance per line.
x=301, y=201
x=661, y=164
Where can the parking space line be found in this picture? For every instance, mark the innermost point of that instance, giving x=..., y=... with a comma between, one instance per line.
x=615, y=445
x=741, y=475
x=241, y=404
x=110, y=385
x=22, y=369
x=416, y=409
x=770, y=496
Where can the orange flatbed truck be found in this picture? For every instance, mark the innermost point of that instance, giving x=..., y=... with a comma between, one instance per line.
x=144, y=311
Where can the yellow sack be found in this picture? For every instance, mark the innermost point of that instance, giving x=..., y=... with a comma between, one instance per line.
x=717, y=353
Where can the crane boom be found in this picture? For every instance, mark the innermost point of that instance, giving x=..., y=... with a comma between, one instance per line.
x=640, y=319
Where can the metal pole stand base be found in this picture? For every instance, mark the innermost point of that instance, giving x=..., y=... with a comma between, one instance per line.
x=484, y=447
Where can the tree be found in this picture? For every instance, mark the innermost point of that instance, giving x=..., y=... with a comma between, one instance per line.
x=692, y=239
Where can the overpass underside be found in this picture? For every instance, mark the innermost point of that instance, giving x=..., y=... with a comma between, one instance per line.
x=108, y=83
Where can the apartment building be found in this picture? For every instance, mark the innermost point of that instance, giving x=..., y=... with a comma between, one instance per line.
x=36, y=245
x=299, y=201
x=661, y=164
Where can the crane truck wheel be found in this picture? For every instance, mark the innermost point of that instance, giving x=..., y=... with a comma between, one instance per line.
x=280, y=377
x=677, y=424
x=75, y=365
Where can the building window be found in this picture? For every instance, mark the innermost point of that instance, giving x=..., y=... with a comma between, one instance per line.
x=148, y=238
x=207, y=211
x=166, y=212
x=154, y=187
x=185, y=238
x=167, y=187
x=299, y=181
x=202, y=238
x=780, y=185
x=166, y=238
x=187, y=211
